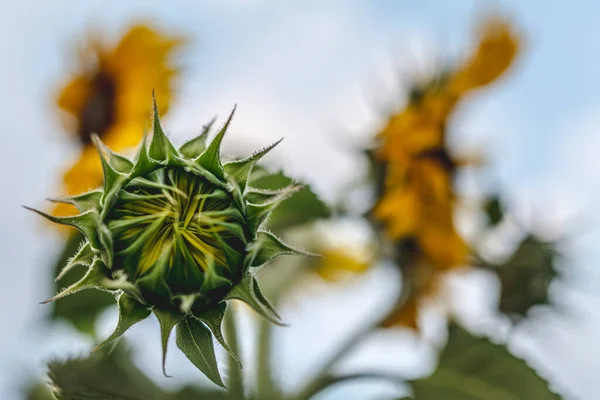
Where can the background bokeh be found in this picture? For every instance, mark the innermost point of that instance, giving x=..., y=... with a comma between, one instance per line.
x=320, y=74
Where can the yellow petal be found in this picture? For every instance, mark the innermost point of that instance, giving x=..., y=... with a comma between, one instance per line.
x=496, y=51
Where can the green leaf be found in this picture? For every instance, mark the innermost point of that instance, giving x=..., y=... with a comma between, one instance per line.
x=130, y=313
x=167, y=321
x=213, y=318
x=210, y=159
x=302, y=207
x=248, y=291
x=268, y=247
x=240, y=170
x=195, y=341
x=473, y=368
x=194, y=393
x=494, y=210
x=83, y=308
x=526, y=276
x=103, y=377
x=194, y=147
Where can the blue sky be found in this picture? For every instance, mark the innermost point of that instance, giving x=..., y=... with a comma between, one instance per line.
x=305, y=70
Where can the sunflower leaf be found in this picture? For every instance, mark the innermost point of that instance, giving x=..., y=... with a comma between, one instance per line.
x=475, y=368
x=526, y=277
x=213, y=318
x=195, y=340
x=167, y=321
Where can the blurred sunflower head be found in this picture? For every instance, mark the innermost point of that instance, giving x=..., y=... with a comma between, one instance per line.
x=108, y=97
x=416, y=202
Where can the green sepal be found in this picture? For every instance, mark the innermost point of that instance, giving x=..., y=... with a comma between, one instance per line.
x=267, y=247
x=116, y=161
x=247, y=290
x=167, y=321
x=257, y=214
x=194, y=147
x=93, y=279
x=210, y=159
x=130, y=313
x=113, y=179
x=143, y=163
x=155, y=278
x=84, y=256
x=161, y=149
x=212, y=318
x=120, y=282
x=83, y=202
x=268, y=196
x=212, y=280
x=85, y=222
x=240, y=170
x=106, y=248
x=195, y=340
x=303, y=207
x=111, y=174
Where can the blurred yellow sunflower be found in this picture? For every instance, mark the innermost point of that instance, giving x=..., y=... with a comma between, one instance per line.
x=109, y=97
x=418, y=200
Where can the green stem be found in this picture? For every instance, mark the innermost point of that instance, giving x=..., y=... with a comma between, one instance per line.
x=323, y=374
x=236, y=383
x=266, y=387
x=327, y=381
x=314, y=385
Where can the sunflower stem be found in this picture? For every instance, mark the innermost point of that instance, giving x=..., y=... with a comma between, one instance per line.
x=324, y=373
x=236, y=382
x=266, y=386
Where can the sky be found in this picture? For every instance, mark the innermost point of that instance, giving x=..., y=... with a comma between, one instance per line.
x=317, y=73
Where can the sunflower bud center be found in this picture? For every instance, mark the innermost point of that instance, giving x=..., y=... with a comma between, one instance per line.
x=176, y=227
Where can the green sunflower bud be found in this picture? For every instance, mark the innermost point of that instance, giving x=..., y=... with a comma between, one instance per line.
x=177, y=233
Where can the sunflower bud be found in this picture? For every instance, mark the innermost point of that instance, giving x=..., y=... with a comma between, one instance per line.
x=176, y=232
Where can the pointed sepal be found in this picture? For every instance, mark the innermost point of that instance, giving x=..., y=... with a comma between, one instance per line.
x=83, y=256
x=161, y=149
x=212, y=280
x=194, y=147
x=213, y=318
x=194, y=339
x=240, y=170
x=130, y=313
x=210, y=159
x=143, y=164
x=83, y=202
x=267, y=247
x=258, y=214
x=112, y=178
x=117, y=162
x=248, y=291
x=85, y=222
x=167, y=321
x=93, y=279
